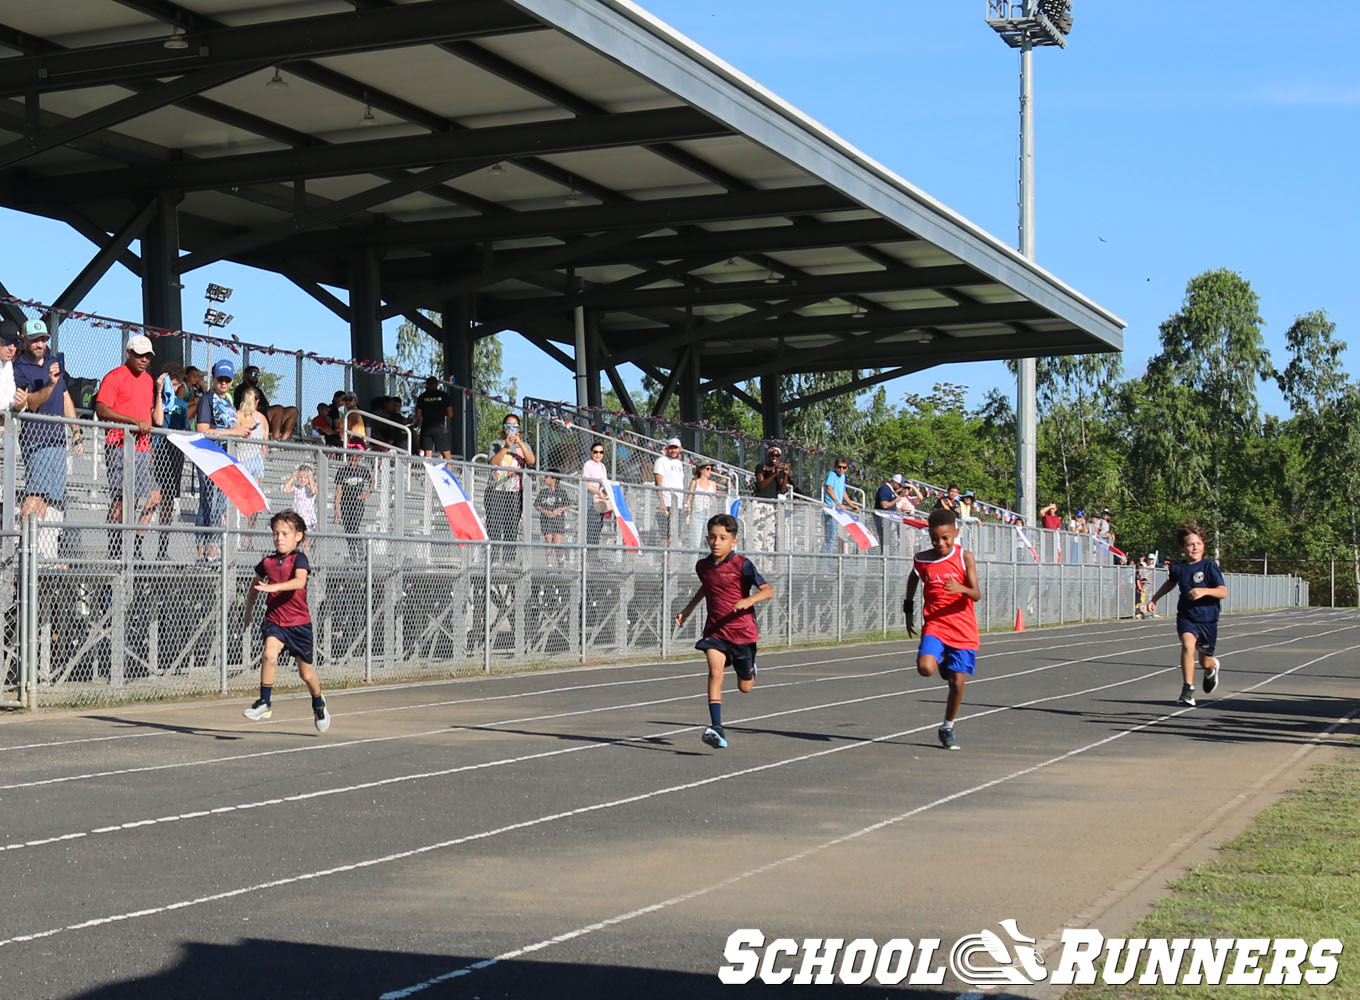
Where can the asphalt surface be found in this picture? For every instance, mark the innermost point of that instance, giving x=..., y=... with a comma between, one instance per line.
x=566, y=834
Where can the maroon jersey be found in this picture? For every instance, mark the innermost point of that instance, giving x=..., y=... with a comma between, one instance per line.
x=289, y=607
x=724, y=584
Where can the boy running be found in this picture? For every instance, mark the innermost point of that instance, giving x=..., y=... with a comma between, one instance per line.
x=949, y=630
x=287, y=622
x=1202, y=592
x=726, y=580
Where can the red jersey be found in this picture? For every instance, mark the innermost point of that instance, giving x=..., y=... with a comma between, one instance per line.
x=948, y=617
x=724, y=584
x=132, y=396
x=288, y=608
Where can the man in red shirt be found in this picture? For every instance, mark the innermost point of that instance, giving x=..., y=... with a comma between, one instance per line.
x=127, y=395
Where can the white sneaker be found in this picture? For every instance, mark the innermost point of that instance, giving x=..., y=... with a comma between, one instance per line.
x=260, y=710
x=323, y=718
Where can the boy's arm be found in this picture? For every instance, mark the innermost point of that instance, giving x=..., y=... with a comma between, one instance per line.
x=970, y=578
x=297, y=581
x=698, y=596
x=909, y=602
x=250, y=599
x=751, y=600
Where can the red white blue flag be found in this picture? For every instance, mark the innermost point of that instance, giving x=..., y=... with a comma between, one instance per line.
x=859, y=534
x=1025, y=538
x=464, y=521
x=623, y=517
x=227, y=474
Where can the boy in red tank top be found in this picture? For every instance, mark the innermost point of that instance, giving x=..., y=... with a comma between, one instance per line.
x=949, y=630
x=726, y=580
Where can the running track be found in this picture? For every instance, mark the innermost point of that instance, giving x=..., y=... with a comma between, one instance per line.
x=566, y=834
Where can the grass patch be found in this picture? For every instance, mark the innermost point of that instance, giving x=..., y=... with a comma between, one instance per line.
x=1295, y=873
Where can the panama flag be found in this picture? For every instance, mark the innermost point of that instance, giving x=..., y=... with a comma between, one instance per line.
x=735, y=507
x=623, y=517
x=1104, y=543
x=464, y=520
x=859, y=534
x=1025, y=538
x=225, y=472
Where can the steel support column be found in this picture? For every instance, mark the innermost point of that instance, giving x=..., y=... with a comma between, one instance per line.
x=771, y=416
x=690, y=411
x=365, y=328
x=161, y=304
x=458, y=349
x=594, y=397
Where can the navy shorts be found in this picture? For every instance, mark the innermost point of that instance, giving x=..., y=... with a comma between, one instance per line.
x=959, y=661
x=297, y=639
x=741, y=655
x=1205, y=633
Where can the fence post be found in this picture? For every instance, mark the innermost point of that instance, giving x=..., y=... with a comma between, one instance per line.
x=368, y=609
x=222, y=616
x=840, y=597
x=1081, y=582
x=665, y=601
x=585, y=553
x=788, y=604
x=304, y=421
x=885, y=595
x=486, y=610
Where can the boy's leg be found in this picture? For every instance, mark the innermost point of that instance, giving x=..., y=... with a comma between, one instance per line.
x=956, y=680
x=1188, y=649
x=269, y=662
x=1208, y=643
x=714, y=735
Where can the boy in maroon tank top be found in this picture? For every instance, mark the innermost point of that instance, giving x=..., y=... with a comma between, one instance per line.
x=726, y=580
x=949, y=630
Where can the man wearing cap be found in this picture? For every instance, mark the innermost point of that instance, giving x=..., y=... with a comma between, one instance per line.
x=216, y=417
x=772, y=480
x=669, y=473
x=42, y=443
x=11, y=396
x=886, y=500
x=127, y=395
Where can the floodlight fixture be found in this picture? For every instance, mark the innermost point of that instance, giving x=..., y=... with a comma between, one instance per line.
x=217, y=293
x=276, y=82
x=214, y=317
x=1038, y=22
x=176, y=42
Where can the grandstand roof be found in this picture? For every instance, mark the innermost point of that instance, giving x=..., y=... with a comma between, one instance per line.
x=541, y=154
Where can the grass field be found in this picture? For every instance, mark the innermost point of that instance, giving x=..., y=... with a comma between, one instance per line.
x=1295, y=873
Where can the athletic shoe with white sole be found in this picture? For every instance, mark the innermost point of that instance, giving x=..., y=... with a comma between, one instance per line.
x=1187, y=695
x=947, y=738
x=1211, y=679
x=260, y=710
x=715, y=738
x=323, y=718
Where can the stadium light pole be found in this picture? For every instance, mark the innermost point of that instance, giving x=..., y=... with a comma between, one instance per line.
x=1023, y=24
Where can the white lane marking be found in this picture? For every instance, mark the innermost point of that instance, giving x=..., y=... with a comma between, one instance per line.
x=673, y=789
x=401, y=994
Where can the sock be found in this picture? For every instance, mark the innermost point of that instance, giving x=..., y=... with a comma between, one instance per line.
x=947, y=724
x=266, y=693
x=715, y=713
x=318, y=702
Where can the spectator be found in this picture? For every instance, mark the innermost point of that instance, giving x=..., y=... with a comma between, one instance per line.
x=950, y=501
x=167, y=461
x=353, y=487
x=669, y=473
x=1101, y=528
x=250, y=379
x=1078, y=522
x=127, y=395
x=397, y=437
x=193, y=387
x=552, y=503
x=833, y=495
x=965, y=508
x=302, y=484
x=506, y=496
x=434, y=410
x=281, y=420
x=1050, y=519
x=909, y=497
x=595, y=478
x=11, y=396
x=354, y=429
x=321, y=426
x=701, y=502
x=886, y=500
x=215, y=417
x=772, y=481
x=336, y=412
x=43, y=444
x=251, y=452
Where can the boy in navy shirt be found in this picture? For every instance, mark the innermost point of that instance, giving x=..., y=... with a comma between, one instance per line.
x=726, y=580
x=287, y=621
x=1202, y=592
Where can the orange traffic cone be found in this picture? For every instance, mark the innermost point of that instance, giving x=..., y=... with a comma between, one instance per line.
x=1019, y=620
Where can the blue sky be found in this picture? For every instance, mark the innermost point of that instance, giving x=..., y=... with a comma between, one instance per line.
x=1186, y=136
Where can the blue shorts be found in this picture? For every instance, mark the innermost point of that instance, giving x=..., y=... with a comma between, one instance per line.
x=297, y=639
x=742, y=655
x=960, y=661
x=141, y=473
x=45, y=472
x=1205, y=633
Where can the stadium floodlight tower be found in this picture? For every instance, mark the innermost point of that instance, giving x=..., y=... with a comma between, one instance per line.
x=1023, y=24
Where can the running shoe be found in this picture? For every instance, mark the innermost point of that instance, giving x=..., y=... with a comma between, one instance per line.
x=947, y=738
x=1187, y=695
x=1211, y=679
x=323, y=718
x=260, y=710
x=715, y=738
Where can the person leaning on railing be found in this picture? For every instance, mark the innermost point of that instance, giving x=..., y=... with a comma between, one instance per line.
x=43, y=443
x=11, y=396
x=595, y=478
x=127, y=395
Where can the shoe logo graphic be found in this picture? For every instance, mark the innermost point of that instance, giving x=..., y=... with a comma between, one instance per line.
x=985, y=959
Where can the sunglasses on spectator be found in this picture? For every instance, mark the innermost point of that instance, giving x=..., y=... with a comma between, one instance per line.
x=597, y=451
x=842, y=468
x=222, y=378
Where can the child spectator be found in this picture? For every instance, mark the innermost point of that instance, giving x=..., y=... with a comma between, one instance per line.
x=949, y=630
x=302, y=484
x=1202, y=592
x=726, y=580
x=552, y=503
x=287, y=621
x=167, y=461
x=353, y=487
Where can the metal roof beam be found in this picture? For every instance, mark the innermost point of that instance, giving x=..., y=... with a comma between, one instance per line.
x=110, y=250
x=473, y=146
x=269, y=41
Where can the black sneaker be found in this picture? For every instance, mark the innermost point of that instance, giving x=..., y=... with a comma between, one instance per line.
x=1187, y=695
x=947, y=738
x=1211, y=679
